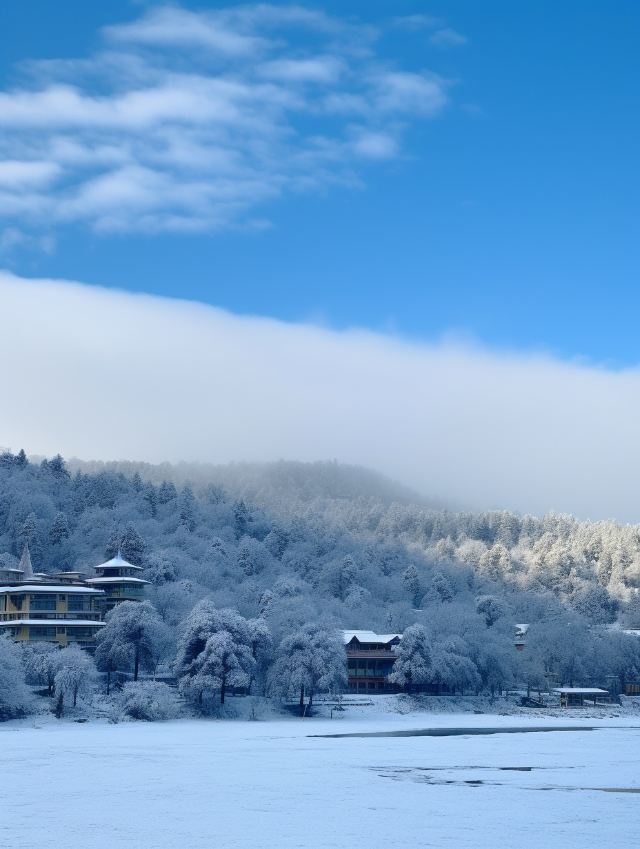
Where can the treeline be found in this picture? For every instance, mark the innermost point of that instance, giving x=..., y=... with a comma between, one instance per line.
x=293, y=544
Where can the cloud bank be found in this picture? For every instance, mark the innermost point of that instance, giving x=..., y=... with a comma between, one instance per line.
x=188, y=121
x=103, y=374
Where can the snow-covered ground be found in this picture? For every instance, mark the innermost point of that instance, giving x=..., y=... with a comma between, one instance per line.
x=227, y=784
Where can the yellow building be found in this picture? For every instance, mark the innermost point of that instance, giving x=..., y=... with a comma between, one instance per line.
x=58, y=608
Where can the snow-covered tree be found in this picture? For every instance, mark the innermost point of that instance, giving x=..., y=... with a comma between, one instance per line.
x=15, y=697
x=76, y=674
x=490, y=608
x=149, y=701
x=411, y=584
x=59, y=529
x=128, y=542
x=130, y=637
x=187, y=509
x=311, y=660
x=42, y=662
x=413, y=664
x=214, y=652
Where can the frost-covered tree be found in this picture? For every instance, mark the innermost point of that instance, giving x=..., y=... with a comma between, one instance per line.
x=311, y=660
x=224, y=662
x=262, y=652
x=76, y=674
x=167, y=492
x=241, y=516
x=214, y=652
x=496, y=562
x=411, y=584
x=42, y=662
x=413, y=664
x=128, y=542
x=245, y=561
x=490, y=608
x=441, y=588
x=149, y=701
x=187, y=509
x=130, y=637
x=59, y=529
x=15, y=697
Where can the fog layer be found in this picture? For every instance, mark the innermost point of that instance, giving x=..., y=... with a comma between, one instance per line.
x=103, y=374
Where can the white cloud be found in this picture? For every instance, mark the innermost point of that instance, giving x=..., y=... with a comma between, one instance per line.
x=104, y=374
x=447, y=38
x=192, y=119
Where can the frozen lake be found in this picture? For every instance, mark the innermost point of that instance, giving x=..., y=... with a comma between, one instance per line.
x=222, y=785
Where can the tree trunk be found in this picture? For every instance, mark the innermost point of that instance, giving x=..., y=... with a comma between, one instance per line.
x=75, y=696
x=135, y=668
x=301, y=697
x=108, y=680
x=222, y=691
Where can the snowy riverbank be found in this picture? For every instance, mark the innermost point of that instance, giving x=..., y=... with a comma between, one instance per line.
x=267, y=784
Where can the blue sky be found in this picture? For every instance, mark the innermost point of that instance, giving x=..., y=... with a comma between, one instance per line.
x=497, y=202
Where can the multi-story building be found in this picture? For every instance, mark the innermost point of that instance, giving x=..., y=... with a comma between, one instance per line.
x=57, y=608
x=370, y=658
x=119, y=580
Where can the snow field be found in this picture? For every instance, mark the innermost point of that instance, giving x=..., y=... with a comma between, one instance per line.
x=252, y=785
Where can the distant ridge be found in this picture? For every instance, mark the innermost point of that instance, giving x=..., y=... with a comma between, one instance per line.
x=296, y=479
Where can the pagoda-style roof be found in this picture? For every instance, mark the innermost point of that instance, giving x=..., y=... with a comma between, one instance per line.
x=118, y=562
x=116, y=579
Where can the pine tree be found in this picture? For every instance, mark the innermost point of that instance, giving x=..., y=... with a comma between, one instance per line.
x=241, y=516
x=151, y=497
x=128, y=542
x=245, y=561
x=187, y=509
x=167, y=492
x=59, y=530
x=58, y=468
x=411, y=584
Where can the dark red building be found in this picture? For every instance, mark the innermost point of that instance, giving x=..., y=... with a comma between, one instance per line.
x=370, y=658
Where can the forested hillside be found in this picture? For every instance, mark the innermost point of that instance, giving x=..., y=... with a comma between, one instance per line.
x=295, y=543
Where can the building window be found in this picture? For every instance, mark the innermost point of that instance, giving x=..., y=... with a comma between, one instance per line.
x=41, y=633
x=79, y=633
x=78, y=602
x=42, y=601
x=60, y=630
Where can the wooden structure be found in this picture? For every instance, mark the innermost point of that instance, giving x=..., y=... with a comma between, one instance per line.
x=579, y=696
x=370, y=658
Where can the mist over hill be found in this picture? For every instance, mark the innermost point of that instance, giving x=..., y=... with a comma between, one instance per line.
x=285, y=480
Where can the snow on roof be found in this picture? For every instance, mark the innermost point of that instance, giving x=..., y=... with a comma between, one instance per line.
x=369, y=637
x=67, y=589
x=583, y=690
x=116, y=580
x=53, y=623
x=117, y=562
